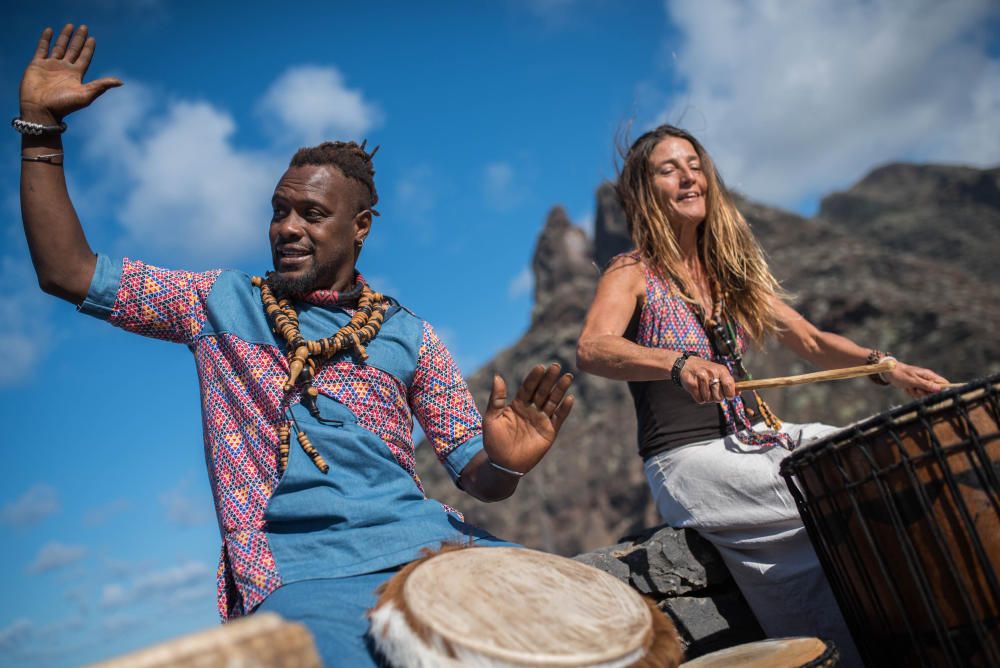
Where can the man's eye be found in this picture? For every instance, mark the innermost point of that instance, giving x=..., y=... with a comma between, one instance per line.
x=277, y=213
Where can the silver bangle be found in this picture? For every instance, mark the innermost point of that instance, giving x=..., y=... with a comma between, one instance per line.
x=50, y=158
x=29, y=128
x=882, y=375
x=516, y=474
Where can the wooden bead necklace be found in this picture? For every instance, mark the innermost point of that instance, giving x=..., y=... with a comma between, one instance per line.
x=305, y=356
x=721, y=333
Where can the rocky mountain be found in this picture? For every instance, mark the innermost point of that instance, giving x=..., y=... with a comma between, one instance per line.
x=903, y=261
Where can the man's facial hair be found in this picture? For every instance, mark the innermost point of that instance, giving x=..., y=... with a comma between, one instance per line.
x=292, y=286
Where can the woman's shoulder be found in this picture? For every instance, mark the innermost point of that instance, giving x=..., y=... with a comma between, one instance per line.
x=626, y=273
x=630, y=260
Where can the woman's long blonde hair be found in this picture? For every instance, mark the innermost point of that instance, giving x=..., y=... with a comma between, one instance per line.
x=731, y=256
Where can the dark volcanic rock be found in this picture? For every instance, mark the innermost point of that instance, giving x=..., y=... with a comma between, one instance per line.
x=902, y=262
x=611, y=235
x=685, y=576
x=946, y=214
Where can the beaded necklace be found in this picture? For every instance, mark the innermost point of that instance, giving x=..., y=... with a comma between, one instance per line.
x=305, y=356
x=722, y=337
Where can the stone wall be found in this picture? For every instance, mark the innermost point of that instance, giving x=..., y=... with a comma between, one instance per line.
x=685, y=576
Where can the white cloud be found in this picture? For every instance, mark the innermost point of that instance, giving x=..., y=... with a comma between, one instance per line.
x=521, y=285
x=501, y=186
x=182, y=507
x=188, y=187
x=314, y=104
x=794, y=99
x=180, y=184
x=159, y=584
x=16, y=634
x=24, y=326
x=55, y=555
x=195, y=191
x=32, y=507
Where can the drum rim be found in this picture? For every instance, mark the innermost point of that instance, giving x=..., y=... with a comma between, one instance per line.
x=899, y=416
x=636, y=649
x=821, y=660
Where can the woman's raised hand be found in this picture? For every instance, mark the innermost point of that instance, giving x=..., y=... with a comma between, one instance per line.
x=52, y=86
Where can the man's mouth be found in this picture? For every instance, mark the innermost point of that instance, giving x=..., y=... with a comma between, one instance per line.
x=290, y=256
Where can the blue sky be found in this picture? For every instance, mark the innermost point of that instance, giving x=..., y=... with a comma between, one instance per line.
x=487, y=114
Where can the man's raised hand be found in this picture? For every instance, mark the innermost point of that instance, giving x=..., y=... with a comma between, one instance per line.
x=517, y=436
x=52, y=86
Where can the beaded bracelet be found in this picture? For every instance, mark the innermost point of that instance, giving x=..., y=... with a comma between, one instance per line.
x=675, y=370
x=29, y=128
x=874, y=357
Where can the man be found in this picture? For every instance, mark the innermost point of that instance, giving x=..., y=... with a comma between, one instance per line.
x=307, y=531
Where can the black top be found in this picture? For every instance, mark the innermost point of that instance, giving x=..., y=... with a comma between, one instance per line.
x=668, y=416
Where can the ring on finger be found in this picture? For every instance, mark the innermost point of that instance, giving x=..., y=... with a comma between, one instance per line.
x=714, y=381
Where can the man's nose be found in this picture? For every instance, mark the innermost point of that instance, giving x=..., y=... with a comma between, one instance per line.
x=290, y=227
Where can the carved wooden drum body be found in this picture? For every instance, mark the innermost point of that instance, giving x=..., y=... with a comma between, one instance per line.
x=904, y=512
x=512, y=607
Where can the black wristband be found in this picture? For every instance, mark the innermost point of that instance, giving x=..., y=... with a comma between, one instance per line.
x=675, y=370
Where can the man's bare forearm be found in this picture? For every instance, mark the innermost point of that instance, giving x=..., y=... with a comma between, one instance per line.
x=62, y=257
x=485, y=482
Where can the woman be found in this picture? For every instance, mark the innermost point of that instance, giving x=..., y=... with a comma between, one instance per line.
x=673, y=318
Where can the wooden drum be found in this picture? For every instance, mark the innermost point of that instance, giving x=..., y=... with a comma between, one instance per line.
x=498, y=606
x=904, y=512
x=773, y=653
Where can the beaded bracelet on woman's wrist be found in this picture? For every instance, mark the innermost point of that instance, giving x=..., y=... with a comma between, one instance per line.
x=675, y=370
x=874, y=357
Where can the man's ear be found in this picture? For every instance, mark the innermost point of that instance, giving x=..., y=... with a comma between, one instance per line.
x=362, y=226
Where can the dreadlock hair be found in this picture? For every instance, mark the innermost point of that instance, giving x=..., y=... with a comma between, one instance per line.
x=733, y=259
x=347, y=156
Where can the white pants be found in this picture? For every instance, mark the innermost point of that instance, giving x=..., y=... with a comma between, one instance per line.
x=732, y=494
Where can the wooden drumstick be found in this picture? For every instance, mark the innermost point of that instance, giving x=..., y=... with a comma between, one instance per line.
x=818, y=376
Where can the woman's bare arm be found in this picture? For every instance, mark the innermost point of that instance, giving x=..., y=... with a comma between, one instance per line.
x=603, y=349
x=831, y=351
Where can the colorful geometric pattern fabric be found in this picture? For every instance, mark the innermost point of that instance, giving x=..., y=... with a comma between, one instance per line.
x=378, y=401
x=161, y=303
x=669, y=321
x=440, y=398
x=243, y=401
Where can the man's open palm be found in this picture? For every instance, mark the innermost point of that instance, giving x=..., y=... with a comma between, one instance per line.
x=517, y=436
x=53, y=82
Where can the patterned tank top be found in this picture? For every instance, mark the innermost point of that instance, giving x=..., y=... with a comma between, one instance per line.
x=667, y=415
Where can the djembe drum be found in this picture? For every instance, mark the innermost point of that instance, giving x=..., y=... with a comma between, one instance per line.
x=514, y=607
x=904, y=512
x=771, y=653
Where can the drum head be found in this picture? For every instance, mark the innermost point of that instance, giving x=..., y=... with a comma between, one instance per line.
x=773, y=653
x=526, y=607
